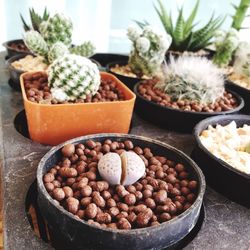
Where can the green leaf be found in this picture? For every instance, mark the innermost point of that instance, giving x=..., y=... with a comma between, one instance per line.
x=141, y=24
x=25, y=25
x=179, y=28
x=190, y=20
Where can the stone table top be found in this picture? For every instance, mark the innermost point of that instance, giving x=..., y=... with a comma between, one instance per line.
x=227, y=224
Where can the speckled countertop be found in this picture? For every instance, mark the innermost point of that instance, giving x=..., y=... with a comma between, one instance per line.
x=227, y=224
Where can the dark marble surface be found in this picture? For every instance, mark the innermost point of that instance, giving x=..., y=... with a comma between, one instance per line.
x=227, y=224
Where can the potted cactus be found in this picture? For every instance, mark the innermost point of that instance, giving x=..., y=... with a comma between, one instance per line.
x=146, y=56
x=74, y=99
x=190, y=89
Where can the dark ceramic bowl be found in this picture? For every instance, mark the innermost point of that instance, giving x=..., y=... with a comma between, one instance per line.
x=14, y=51
x=129, y=81
x=175, y=119
x=220, y=175
x=78, y=234
x=15, y=73
x=243, y=92
x=105, y=58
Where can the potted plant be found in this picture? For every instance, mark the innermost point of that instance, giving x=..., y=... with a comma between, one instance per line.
x=190, y=89
x=146, y=57
x=185, y=39
x=74, y=99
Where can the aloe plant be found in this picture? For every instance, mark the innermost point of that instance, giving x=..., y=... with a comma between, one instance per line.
x=184, y=38
x=240, y=13
x=36, y=19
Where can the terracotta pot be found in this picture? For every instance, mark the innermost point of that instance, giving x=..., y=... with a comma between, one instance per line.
x=54, y=123
x=14, y=51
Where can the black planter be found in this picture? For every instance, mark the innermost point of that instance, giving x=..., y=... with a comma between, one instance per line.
x=105, y=58
x=243, y=92
x=129, y=81
x=78, y=234
x=13, y=52
x=219, y=175
x=15, y=73
x=175, y=119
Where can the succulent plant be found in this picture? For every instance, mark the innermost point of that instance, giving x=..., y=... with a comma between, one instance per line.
x=148, y=50
x=192, y=78
x=184, y=38
x=36, y=19
x=226, y=43
x=73, y=77
x=242, y=59
x=240, y=13
x=57, y=29
x=86, y=49
x=57, y=50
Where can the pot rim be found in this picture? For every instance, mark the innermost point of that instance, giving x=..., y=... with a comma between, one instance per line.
x=79, y=104
x=15, y=58
x=205, y=123
x=7, y=46
x=230, y=82
x=236, y=95
x=53, y=150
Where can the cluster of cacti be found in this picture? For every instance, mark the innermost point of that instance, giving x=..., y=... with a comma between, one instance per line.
x=184, y=37
x=240, y=13
x=54, y=39
x=192, y=78
x=226, y=43
x=73, y=77
x=148, y=50
x=36, y=19
x=242, y=59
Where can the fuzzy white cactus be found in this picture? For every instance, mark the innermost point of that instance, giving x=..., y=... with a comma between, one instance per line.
x=192, y=78
x=148, y=50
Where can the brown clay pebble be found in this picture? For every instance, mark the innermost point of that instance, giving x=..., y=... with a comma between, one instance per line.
x=68, y=150
x=91, y=211
x=130, y=199
x=161, y=196
x=49, y=177
x=123, y=223
x=72, y=204
x=58, y=194
x=68, y=191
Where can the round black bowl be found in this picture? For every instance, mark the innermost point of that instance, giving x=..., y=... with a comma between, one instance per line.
x=105, y=58
x=227, y=180
x=175, y=119
x=15, y=73
x=128, y=81
x=78, y=233
x=243, y=92
x=11, y=51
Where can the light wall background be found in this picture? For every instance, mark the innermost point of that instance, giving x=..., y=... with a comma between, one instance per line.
x=105, y=21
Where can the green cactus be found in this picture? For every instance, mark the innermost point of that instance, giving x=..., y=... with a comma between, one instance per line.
x=57, y=50
x=226, y=43
x=240, y=13
x=192, y=78
x=73, y=77
x=35, y=43
x=148, y=50
x=86, y=49
x=57, y=29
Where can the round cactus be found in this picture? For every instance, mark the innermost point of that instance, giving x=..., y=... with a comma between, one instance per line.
x=35, y=43
x=148, y=52
x=86, y=49
x=192, y=78
x=73, y=77
x=57, y=50
x=57, y=28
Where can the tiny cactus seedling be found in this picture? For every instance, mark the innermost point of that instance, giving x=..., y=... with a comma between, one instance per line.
x=148, y=51
x=86, y=49
x=226, y=43
x=73, y=77
x=57, y=50
x=192, y=78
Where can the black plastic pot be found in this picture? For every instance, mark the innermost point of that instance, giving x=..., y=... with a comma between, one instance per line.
x=129, y=81
x=225, y=179
x=175, y=119
x=105, y=58
x=243, y=92
x=15, y=73
x=78, y=234
x=11, y=51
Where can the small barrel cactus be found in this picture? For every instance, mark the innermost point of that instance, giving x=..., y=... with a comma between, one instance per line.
x=73, y=77
x=192, y=78
x=242, y=59
x=57, y=50
x=148, y=51
x=57, y=28
x=86, y=49
x=35, y=43
x=226, y=43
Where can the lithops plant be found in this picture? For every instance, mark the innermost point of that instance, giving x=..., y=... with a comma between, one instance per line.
x=124, y=169
x=192, y=78
x=148, y=50
x=226, y=43
x=73, y=77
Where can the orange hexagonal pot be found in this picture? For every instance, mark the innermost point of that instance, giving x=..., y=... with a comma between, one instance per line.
x=54, y=123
